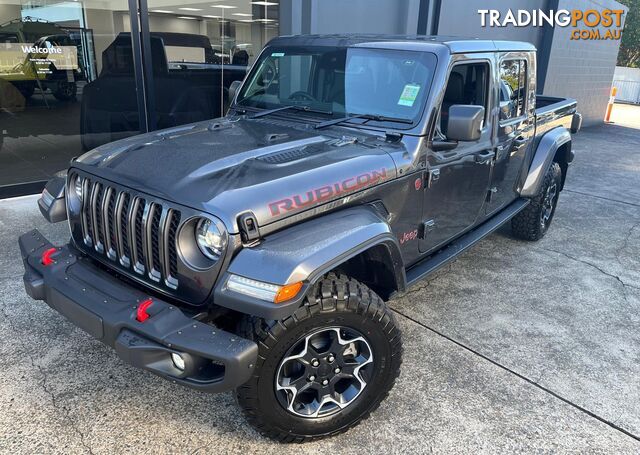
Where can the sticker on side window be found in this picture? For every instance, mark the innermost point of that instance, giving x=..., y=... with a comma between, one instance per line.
x=409, y=95
x=277, y=54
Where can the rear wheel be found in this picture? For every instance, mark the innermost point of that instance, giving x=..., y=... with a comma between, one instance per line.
x=325, y=368
x=533, y=222
x=65, y=90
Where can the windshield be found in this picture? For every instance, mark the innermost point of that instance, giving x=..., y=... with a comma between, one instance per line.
x=341, y=81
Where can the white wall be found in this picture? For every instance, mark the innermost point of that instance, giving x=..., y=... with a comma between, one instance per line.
x=364, y=16
x=461, y=18
x=582, y=69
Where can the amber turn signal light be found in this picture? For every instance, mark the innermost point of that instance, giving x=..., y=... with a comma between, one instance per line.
x=287, y=292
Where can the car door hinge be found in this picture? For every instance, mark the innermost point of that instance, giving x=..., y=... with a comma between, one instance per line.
x=432, y=177
x=491, y=192
x=425, y=228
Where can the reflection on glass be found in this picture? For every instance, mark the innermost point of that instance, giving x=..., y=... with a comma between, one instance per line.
x=341, y=82
x=50, y=54
x=204, y=46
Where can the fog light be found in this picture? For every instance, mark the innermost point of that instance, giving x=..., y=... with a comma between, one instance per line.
x=178, y=361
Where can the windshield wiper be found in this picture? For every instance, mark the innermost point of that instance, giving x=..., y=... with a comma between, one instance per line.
x=287, y=107
x=377, y=118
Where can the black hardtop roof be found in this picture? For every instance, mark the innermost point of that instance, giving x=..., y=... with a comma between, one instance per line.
x=453, y=43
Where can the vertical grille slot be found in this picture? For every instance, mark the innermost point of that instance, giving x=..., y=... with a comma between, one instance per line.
x=107, y=222
x=174, y=223
x=85, y=221
x=96, y=190
x=137, y=233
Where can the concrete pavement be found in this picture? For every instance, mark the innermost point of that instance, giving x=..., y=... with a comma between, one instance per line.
x=515, y=347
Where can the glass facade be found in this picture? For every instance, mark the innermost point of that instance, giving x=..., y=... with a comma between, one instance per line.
x=78, y=74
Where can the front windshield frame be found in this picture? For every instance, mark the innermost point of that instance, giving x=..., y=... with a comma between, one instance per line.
x=427, y=59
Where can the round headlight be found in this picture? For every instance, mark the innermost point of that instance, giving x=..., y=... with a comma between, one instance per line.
x=211, y=240
x=77, y=186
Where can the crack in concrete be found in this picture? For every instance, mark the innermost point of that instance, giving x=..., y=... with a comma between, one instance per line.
x=473, y=351
x=601, y=270
x=625, y=243
x=54, y=400
x=602, y=197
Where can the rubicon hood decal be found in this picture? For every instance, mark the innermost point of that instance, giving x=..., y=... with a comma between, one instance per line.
x=327, y=192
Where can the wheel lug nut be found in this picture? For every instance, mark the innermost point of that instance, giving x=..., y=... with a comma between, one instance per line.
x=325, y=382
x=337, y=370
x=331, y=358
x=312, y=378
x=315, y=362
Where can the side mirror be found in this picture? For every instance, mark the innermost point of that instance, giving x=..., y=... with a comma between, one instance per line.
x=465, y=122
x=233, y=90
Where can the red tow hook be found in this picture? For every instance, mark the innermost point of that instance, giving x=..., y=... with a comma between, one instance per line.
x=141, y=313
x=46, y=256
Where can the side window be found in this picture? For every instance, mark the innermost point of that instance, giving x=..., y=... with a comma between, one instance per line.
x=468, y=84
x=513, y=88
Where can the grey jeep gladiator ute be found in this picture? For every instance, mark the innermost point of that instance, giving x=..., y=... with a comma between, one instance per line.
x=255, y=252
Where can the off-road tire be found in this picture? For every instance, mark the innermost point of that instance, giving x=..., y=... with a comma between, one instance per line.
x=529, y=224
x=336, y=300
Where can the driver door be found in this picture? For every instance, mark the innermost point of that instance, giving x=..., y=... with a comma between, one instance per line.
x=458, y=179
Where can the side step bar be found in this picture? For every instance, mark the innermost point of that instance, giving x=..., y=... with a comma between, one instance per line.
x=434, y=262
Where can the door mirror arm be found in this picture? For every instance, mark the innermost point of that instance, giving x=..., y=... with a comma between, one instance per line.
x=439, y=145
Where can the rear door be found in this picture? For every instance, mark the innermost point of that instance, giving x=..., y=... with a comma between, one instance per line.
x=515, y=126
x=458, y=181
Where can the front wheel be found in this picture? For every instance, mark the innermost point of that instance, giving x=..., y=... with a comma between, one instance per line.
x=533, y=222
x=325, y=368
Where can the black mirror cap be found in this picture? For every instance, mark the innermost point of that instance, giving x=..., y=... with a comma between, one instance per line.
x=52, y=203
x=233, y=90
x=465, y=122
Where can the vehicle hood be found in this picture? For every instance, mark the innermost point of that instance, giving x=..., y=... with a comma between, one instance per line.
x=227, y=167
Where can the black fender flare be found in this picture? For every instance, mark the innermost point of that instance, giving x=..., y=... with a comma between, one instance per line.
x=543, y=157
x=304, y=253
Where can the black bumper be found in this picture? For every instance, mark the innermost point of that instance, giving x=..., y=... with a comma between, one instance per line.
x=106, y=308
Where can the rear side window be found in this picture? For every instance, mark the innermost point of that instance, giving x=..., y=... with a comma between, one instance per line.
x=513, y=88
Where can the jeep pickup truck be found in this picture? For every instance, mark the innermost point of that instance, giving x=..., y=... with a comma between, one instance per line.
x=255, y=252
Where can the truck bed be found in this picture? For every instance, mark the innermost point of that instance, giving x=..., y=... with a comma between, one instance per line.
x=552, y=112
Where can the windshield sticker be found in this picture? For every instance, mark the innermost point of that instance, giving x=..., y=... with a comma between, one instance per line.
x=277, y=54
x=409, y=95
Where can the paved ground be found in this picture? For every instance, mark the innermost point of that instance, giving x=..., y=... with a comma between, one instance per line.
x=516, y=347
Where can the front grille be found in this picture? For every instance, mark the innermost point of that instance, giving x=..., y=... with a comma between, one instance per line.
x=138, y=233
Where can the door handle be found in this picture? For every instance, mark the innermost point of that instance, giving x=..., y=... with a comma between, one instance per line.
x=519, y=142
x=485, y=157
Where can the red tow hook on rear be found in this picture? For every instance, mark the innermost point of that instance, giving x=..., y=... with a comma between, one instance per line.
x=141, y=313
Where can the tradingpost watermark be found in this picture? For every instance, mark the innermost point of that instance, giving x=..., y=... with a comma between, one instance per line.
x=589, y=24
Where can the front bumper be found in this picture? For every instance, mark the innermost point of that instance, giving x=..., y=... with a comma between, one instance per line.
x=106, y=308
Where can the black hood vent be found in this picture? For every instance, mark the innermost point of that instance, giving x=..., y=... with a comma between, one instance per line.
x=286, y=156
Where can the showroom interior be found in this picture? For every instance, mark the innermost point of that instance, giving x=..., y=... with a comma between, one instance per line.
x=106, y=83
x=103, y=86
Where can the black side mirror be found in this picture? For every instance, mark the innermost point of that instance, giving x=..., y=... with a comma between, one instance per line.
x=233, y=90
x=465, y=122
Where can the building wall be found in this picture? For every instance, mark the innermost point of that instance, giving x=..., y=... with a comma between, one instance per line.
x=582, y=69
x=461, y=18
x=349, y=16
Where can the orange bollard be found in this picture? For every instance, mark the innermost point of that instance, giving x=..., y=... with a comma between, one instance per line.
x=612, y=99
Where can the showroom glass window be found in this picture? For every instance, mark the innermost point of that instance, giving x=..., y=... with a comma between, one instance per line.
x=513, y=74
x=198, y=49
x=66, y=84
